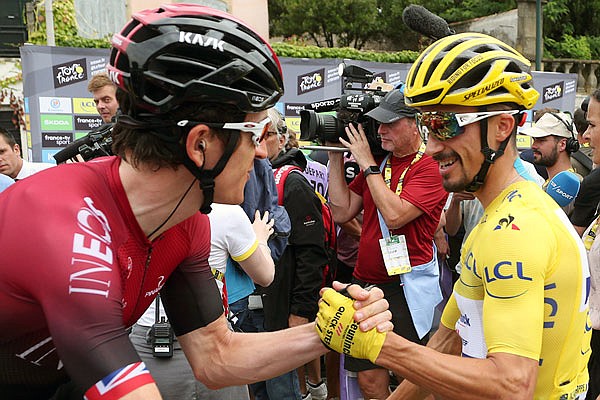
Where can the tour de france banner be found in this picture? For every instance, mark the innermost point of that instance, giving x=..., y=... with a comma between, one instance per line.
x=58, y=107
x=314, y=80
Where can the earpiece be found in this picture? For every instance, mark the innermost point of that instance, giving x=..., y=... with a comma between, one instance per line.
x=572, y=145
x=201, y=146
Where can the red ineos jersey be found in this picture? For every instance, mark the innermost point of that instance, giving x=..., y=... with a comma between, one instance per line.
x=76, y=270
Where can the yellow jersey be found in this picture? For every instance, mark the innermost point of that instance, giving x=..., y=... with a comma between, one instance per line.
x=524, y=290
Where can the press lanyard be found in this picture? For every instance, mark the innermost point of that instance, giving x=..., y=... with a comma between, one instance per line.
x=388, y=178
x=387, y=174
x=588, y=240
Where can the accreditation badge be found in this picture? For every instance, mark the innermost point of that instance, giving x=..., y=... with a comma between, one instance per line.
x=395, y=254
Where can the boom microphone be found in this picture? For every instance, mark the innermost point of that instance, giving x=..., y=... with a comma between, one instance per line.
x=423, y=21
x=563, y=187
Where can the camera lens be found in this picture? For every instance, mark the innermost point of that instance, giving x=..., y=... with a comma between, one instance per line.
x=320, y=127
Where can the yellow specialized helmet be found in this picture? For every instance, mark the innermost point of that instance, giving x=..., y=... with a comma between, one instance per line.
x=470, y=69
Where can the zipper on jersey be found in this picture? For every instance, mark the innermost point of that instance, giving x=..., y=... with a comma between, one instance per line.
x=146, y=266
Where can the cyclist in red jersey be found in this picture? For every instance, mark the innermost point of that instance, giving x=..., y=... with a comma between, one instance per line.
x=86, y=247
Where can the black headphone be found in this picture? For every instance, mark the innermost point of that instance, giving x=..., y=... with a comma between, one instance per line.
x=572, y=143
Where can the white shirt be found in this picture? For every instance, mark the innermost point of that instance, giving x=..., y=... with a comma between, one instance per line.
x=231, y=234
x=30, y=168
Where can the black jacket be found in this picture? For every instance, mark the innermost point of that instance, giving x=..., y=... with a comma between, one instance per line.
x=299, y=273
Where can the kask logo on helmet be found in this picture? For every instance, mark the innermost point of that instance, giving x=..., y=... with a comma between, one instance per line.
x=201, y=40
x=483, y=90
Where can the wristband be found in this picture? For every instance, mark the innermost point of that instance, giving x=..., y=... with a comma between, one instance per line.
x=339, y=331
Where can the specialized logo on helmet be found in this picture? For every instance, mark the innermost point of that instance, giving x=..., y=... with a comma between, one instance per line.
x=483, y=90
x=201, y=40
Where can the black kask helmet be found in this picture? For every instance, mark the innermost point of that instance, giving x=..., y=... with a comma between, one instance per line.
x=179, y=53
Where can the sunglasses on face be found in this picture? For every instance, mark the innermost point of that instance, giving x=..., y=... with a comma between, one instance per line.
x=257, y=129
x=446, y=125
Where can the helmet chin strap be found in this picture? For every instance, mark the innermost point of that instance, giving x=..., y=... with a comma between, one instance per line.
x=206, y=177
x=489, y=157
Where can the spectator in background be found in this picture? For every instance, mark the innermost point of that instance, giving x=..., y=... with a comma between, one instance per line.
x=582, y=159
x=581, y=124
x=527, y=154
x=291, y=300
x=11, y=163
x=104, y=92
x=592, y=244
x=585, y=207
x=553, y=143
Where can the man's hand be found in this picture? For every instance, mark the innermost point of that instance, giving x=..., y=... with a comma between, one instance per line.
x=262, y=226
x=460, y=196
x=359, y=146
x=345, y=323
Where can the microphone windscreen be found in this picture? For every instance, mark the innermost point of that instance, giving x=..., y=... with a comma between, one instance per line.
x=423, y=21
x=563, y=187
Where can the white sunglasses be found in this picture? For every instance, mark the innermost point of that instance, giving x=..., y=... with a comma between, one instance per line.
x=258, y=129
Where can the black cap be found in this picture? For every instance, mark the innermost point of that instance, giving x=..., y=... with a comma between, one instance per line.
x=391, y=108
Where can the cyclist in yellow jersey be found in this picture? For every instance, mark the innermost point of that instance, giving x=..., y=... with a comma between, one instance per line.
x=516, y=326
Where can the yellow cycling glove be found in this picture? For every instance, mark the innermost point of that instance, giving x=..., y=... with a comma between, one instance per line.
x=339, y=332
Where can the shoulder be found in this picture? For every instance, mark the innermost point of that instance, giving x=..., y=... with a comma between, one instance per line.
x=527, y=212
x=227, y=217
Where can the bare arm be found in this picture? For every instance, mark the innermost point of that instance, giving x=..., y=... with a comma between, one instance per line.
x=259, y=266
x=220, y=357
x=437, y=369
x=439, y=238
x=345, y=204
x=454, y=217
x=352, y=227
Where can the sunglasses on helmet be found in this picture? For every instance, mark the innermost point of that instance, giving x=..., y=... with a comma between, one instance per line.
x=446, y=125
x=258, y=129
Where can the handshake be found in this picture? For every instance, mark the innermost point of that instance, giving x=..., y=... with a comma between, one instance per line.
x=358, y=337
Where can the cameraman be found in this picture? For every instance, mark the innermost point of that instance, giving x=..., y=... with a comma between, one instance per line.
x=104, y=92
x=402, y=203
x=98, y=141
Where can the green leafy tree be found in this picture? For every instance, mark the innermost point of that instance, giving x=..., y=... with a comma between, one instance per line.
x=328, y=23
x=65, y=27
x=572, y=29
